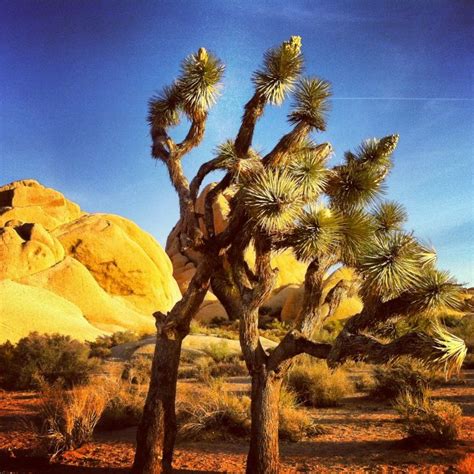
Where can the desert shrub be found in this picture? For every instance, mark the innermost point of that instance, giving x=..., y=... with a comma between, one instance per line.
x=317, y=385
x=361, y=374
x=296, y=423
x=220, y=352
x=124, y=407
x=204, y=369
x=45, y=357
x=227, y=329
x=403, y=375
x=218, y=414
x=137, y=370
x=428, y=421
x=102, y=346
x=66, y=418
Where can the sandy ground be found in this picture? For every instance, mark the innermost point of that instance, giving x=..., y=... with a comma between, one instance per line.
x=362, y=437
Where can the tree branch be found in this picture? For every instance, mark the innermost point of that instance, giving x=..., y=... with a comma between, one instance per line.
x=295, y=343
x=286, y=144
x=194, y=136
x=253, y=111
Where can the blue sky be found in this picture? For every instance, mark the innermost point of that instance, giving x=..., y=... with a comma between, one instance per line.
x=75, y=77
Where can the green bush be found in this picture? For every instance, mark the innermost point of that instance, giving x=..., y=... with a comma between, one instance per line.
x=102, y=346
x=44, y=358
x=317, y=385
x=427, y=421
x=403, y=375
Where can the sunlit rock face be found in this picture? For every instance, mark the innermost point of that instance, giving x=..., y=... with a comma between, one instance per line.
x=68, y=271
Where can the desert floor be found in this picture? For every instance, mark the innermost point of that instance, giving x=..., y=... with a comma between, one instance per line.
x=362, y=437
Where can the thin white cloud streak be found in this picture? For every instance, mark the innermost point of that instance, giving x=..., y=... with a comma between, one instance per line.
x=439, y=99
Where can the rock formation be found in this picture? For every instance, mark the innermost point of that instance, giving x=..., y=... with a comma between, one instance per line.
x=64, y=270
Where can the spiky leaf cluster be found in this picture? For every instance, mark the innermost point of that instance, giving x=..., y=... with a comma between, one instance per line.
x=448, y=350
x=434, y=290
x=308, y=168
x=353, y=186
x=311, y=103
x=389, y=216
x=273, y=199
x=163, y=108
x=199, y=81
x=318, y=232
x=281, y=68
x=242, y=169
x=389, y=265
x=358, y=229
x=194, y=92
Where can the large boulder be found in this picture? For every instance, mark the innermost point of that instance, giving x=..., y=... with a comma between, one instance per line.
x=24, y=309
x=99, y=269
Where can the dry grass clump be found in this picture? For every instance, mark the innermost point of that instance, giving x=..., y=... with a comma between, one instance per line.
x=224, y=414
x=138, y=370
x=296, y=423
x=218, y=413
x=124, y=407
x=318, y=386
x=403, y=375
x=428, y=421
x=204, y=369
x=66, y=418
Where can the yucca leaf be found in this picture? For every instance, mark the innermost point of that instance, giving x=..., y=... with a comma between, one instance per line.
x=389, y=265
x=318, y=232
x=352, y=186
x=389, y=216
x=377, y=151
x=311, y=103
x=199, y=81
x=281, y=68
x=435, y=290
x=308, y=168
x=273, y=199
x=357, y=230
x=163, y=109
x=449, y=350
x=241, y=168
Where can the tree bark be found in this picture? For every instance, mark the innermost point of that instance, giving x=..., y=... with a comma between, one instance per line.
x=263, y=456
x=157, y=430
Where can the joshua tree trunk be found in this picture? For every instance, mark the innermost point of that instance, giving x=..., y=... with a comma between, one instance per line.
x=263, y=456
x=157, y=430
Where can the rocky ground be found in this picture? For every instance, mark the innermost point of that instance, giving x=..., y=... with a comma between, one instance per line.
x=362, y=436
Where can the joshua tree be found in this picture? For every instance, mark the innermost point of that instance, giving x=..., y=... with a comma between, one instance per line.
x=286, y=199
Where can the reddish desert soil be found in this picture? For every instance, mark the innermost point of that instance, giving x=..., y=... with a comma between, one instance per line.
x=362, y=437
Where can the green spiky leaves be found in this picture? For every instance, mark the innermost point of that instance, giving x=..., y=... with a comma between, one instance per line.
x=311, y=103
x=281, y=68
x=390, y=265
x=193, y=93
x=360, y=180
x=273, y=199
x=241, y=168
x=449, y=350
x=435, y=290
x=308, y=168
x=318, y=232
x=389, y=216
x=357, y=231
x=199, y=81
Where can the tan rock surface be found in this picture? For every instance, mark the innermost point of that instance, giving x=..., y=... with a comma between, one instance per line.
x=29, y=201
x=111, y=251
x=25, y=308
x=113, y=274
x=71, y=280
x=27, y=249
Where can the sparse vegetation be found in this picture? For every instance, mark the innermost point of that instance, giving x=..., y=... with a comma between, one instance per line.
x=137, y=370
x=316, y=385
x=102, y=346
x=403, y=375
x=67, y=418
x=48, y=358
x=428, y=421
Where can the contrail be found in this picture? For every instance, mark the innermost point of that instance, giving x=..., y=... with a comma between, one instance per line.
x=444, y=99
